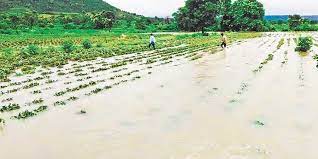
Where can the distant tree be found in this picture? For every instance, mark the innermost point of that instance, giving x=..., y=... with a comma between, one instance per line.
x=14, y=20
x=295, y=21
x=247, y=15
x=225, y=8
x=104, y=20
x=141, y=23
x=110, y=19
x=31, y=19
x=197, y=14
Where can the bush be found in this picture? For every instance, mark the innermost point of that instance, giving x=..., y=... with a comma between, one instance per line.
x=87, y=44
x=30, y=51
x=33, y=49
x=68, y=46
x=304, y=44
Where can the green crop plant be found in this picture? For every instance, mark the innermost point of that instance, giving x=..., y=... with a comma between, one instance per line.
x=68, y=46
x=280, y=43
x=87, y=44
x=2, y=121
x=9, y=108
x=59, y=103
x=24, y=115
x=304, y=44
x=38, y=101
x=41, y=109
x=72, y=98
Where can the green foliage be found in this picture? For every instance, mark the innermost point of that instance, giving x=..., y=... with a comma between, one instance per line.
x=24, y=115
x=294, y=21
x=70, y=6
x=104, y=20
x=9, y=108
x=281, y=43
x=33, y=50
x=197, y=15
x=304, y=44
x=54, y=14
x=111, y=44
x=246, y=15
x=68, y=46
x=221, y=15
x=87, y=44
x=2, y=121
x=8, y=53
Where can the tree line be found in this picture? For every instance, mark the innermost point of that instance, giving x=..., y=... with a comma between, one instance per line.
x=240, y=15
x=25, y=19
x=196, y=15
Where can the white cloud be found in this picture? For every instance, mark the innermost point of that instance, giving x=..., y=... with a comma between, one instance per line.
x=153, y=8
x=164, y=8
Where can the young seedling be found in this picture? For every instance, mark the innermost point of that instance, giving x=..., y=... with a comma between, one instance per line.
x=73, y=98
x=41, y=109
x=82, y=112
x=259, y=123
x=59, y=103
x=38, y=101
x=9, y=108
x=24, y=115
x=2, y=122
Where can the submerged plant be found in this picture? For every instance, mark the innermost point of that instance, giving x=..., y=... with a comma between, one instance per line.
x=59, y=103
x=24, y=115
x=41, y=109
x=82, y=112
x=31, y=85
x=2, y=122
x=280, y=43
x=10, y=107
x=38, y=101
x=259, y=123
x=7, y=100
x=73, y=98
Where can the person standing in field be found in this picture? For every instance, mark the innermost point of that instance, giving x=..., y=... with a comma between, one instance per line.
x=152, y=42
x=223, y=41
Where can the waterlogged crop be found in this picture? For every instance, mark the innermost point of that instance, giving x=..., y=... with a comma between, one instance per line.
x=10, y=107
x=89, y=74
x=304, y=44
x=24, y=115
x=280, y=43
x=56, y=51
x=72, y=98
x=59, y=103
x=2, y=122
x=270, y=57
x=38, y=101
x=31, y=85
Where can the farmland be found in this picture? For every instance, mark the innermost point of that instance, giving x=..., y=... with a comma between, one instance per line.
x=250, y=100
x=32, y=83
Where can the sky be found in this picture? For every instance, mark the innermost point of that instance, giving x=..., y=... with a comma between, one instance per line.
x=164, y=8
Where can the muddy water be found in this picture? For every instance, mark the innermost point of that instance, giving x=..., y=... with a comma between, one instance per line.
x=209, y=108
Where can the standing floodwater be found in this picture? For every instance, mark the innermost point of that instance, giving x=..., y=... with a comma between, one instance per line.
x=254, y=100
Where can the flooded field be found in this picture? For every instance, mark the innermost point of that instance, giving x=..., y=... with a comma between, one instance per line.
x=255, y=100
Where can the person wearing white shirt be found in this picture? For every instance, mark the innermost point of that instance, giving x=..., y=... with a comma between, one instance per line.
x=152, y=42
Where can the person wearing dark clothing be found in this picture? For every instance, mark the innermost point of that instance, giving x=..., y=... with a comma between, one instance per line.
x=223, y=41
